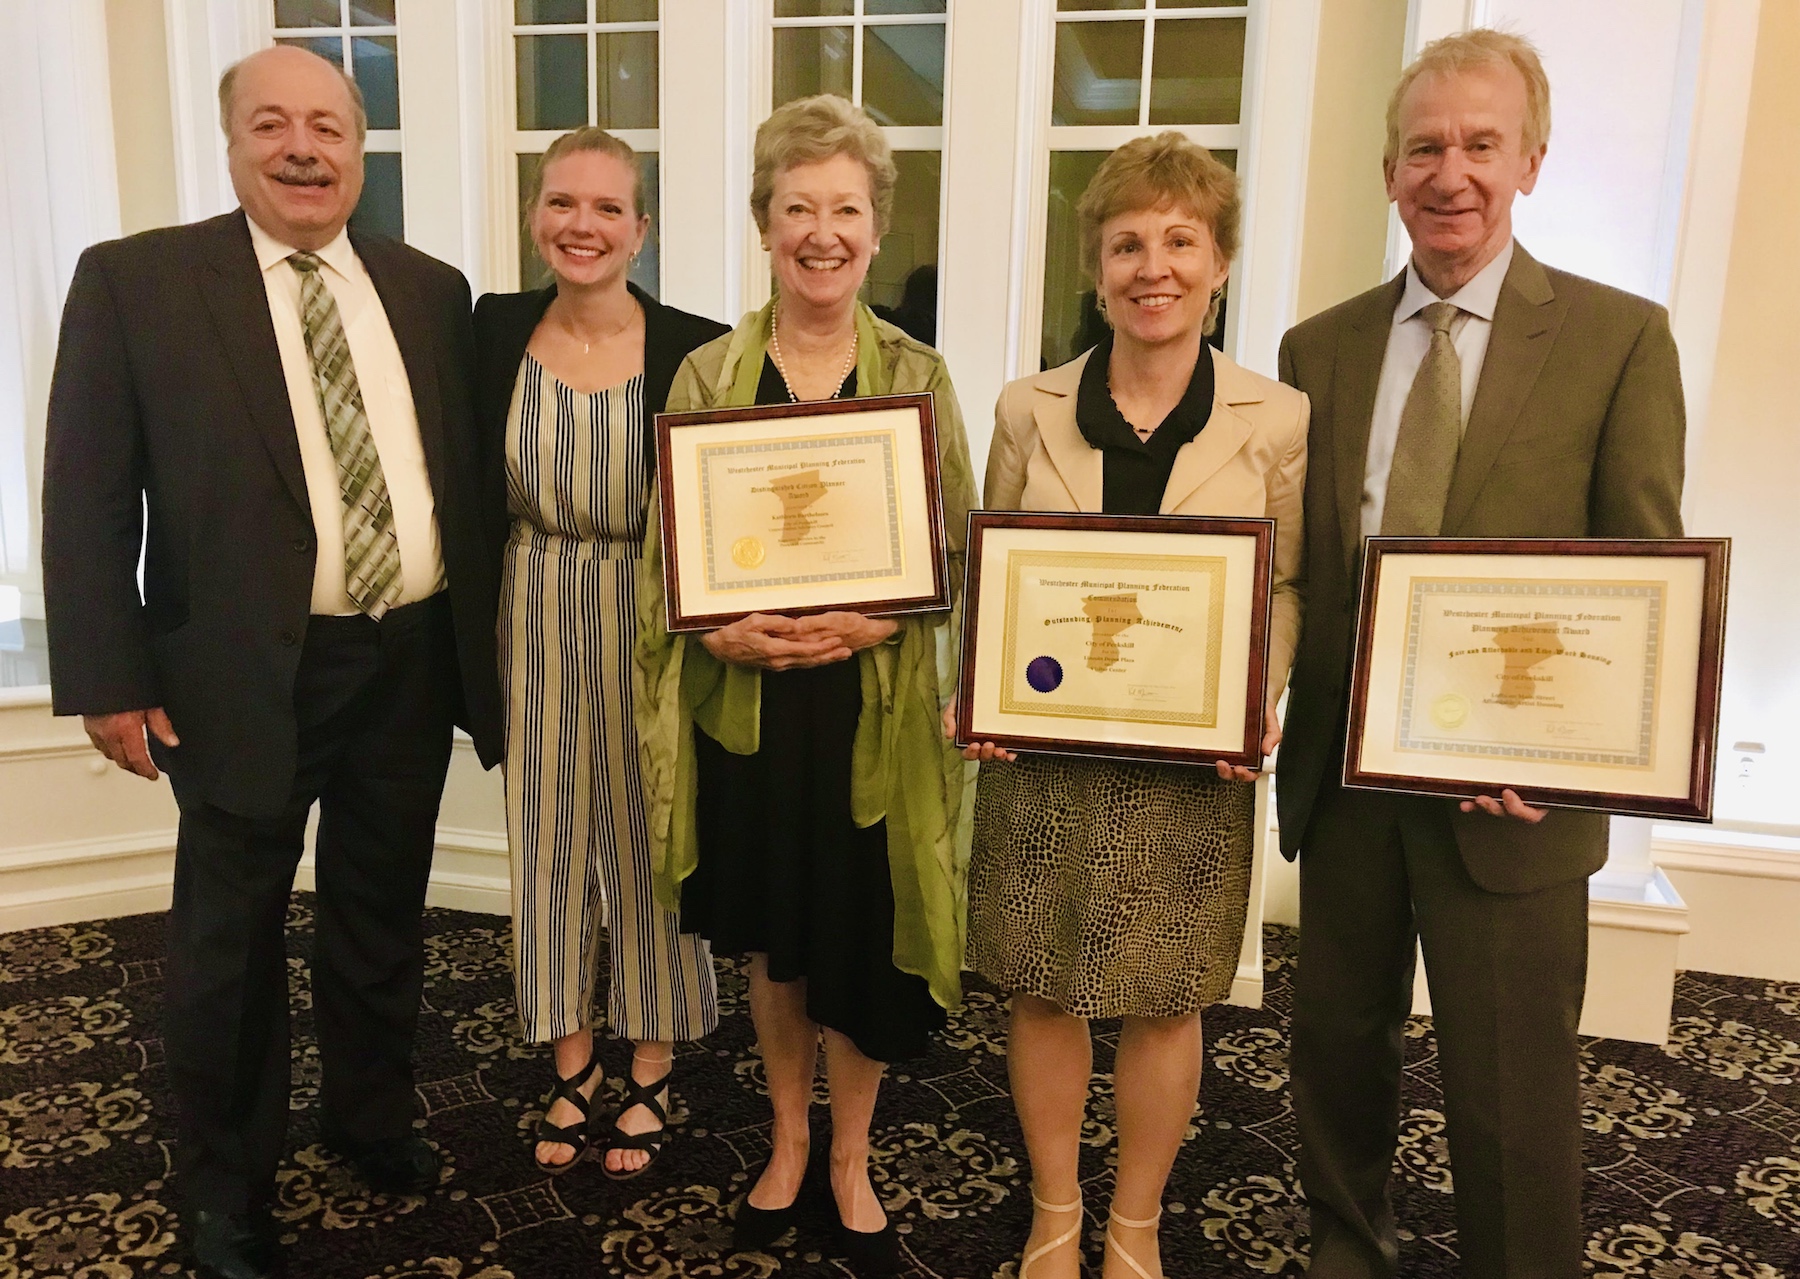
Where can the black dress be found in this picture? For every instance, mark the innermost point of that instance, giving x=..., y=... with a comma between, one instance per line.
x=1114, y=888
x=783, y=870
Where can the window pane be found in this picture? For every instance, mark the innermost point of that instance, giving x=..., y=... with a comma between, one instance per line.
x=902, y=283
x=1099, y=68
x=1070, y=6
x=542, y=12
x=625, y=11
x=646, y=274
x=1197, y=71
x=371, y=13
x=1072, y=323
x=627, y=71
x=905, y=6
x=377, y=63
x=813, y=8
x=307, y=13
x=903, y=74
x=811, y=60
x=328, y=47
x=380, y=210
x=552, y=82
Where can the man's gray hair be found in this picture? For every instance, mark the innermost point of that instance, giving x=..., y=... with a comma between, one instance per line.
x=228, y=93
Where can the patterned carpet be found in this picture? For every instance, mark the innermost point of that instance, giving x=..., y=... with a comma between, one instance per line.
x=1693, y=1149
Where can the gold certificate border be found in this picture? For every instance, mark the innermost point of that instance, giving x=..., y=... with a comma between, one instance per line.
x=1018, y=561
x=707, y=453
x=1562, y=590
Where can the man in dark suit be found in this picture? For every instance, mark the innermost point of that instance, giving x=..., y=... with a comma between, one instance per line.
x=278, y=414
x=1478, y=394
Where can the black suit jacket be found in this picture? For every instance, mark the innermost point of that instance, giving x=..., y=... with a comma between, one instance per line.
x=170, y=431
x=504, y=323
x=1576, y=430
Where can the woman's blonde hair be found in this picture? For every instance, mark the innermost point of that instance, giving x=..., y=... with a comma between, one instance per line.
x=808, y=130
x=587, y=138
x=1165, y=171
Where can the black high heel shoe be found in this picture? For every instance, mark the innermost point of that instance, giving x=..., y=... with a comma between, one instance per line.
x=756, y=1228
x=871, y=1255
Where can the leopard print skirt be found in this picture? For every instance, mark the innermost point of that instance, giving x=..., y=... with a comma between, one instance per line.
x=1109, y=888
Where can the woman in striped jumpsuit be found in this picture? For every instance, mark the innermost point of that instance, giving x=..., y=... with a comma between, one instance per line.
x=569, y=378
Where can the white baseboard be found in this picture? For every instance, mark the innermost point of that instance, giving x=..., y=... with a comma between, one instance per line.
x=75, y=881
x=1743, y=895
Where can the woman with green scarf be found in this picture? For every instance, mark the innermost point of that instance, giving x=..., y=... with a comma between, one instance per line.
x=804, y=808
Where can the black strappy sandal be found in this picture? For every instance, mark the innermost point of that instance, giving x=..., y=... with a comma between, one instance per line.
x=651, y=1142
x=575, y=1135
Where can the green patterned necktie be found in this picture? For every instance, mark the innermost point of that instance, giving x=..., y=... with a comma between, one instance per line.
x=1430, y=435
x=371, y=549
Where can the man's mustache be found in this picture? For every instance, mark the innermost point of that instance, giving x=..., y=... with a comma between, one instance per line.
x=302, y=175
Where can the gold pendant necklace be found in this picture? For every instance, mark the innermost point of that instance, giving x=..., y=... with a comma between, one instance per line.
x=587, y=343
x=788, y=386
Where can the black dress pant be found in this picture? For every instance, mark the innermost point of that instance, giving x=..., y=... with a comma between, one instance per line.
x=1507, y=972
x=374, y=702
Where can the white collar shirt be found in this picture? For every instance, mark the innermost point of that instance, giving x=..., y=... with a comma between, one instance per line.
x=1408, y=341
x=388, y=402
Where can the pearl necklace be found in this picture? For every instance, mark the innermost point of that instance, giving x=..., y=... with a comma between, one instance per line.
x=775, y=354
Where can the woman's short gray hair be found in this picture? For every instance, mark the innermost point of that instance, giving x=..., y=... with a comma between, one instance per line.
x=809, y=130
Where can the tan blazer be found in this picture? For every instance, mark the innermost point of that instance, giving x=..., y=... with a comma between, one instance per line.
x=1250, y=460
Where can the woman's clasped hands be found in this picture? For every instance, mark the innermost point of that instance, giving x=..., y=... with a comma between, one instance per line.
x=773, y=642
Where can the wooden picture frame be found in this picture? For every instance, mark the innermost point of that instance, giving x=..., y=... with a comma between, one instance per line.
x=801, y=508
x=1117, y=636
x=1580, y=673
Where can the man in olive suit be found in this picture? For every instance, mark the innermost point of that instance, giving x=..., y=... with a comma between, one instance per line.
x=1477, y=394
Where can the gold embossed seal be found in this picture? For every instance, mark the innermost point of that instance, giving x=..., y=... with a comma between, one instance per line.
x=1449, y=710
x=748, y=552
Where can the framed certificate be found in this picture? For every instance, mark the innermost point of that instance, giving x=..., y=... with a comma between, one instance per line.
x=801, y=508
x=1581, y=674
x=1125, y=636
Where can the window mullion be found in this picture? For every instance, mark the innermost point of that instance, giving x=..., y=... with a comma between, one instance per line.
x=856, y=58
x=1148, y=64
x=593, y=71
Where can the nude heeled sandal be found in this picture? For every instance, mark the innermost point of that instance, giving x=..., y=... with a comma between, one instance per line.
x=1112, y=1240
x=1045, y=1249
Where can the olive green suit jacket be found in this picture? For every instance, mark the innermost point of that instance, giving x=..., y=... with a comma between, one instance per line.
x=1576, y=430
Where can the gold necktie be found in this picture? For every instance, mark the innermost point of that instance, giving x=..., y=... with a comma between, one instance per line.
x=1430, y=434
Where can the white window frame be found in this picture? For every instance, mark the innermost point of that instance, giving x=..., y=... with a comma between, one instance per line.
x=510, y=141
x=375, y=141
x=1280, y=53
x=755, y=280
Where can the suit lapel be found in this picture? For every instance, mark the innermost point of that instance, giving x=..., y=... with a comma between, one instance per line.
x=1079, y=464
x=233, y=288
x=412, y=327
x=1526, y=320
x=1362, y=348
x=1224, y=434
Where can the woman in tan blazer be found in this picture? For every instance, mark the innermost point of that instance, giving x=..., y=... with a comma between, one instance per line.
x=1105, y=888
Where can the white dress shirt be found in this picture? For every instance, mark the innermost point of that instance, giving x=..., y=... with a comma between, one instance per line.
x=387, y=399
x=1408, y=341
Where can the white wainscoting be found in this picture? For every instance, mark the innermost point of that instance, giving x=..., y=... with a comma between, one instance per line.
x=80, y=840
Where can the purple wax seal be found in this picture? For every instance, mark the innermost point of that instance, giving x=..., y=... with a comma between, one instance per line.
x=1044, y=673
